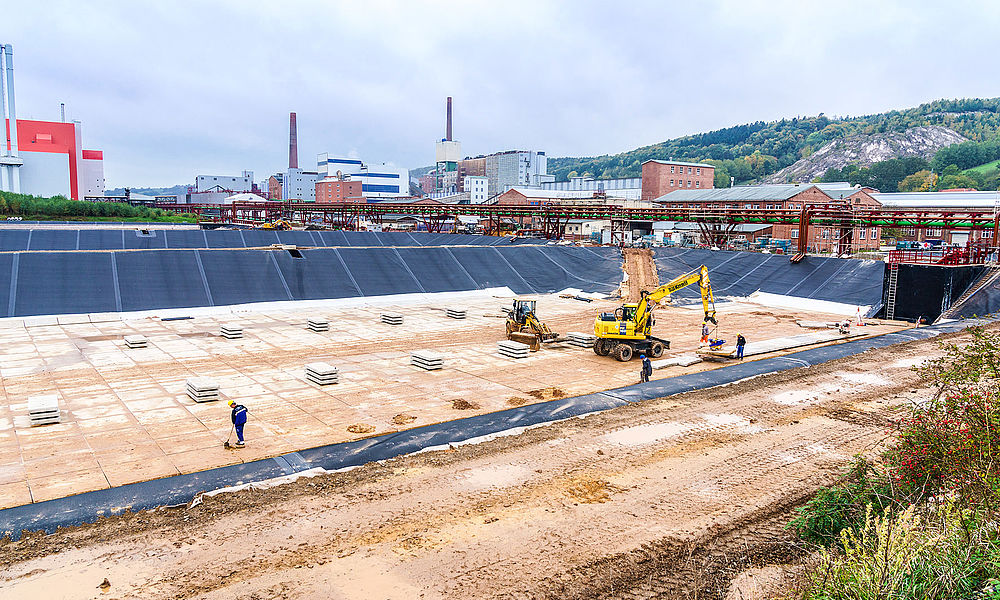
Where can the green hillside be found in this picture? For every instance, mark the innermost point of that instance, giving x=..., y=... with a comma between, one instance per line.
x=986, y=168
x=755, y=150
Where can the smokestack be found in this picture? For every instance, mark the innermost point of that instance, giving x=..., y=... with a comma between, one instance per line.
x=448, y=131
x=7, y=87
x=62, y=112
x=293, y=143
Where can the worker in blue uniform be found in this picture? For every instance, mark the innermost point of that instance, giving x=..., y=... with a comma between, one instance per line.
x=239, y=417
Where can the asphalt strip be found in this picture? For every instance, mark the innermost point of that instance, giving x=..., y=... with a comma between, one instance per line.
x=180, y=489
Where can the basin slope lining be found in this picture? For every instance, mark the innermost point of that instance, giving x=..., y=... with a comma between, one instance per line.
x=71, y=282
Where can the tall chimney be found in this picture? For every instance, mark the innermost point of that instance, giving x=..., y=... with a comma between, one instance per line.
x=9, y=112
x=293, y=143
x=62, y=112
x=448, y=131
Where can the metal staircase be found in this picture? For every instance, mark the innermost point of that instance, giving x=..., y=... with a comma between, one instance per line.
x=991, y=275
x=890, y=300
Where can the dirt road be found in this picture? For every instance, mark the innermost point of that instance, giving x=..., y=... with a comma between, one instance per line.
x=641, y=271
x=653, y=500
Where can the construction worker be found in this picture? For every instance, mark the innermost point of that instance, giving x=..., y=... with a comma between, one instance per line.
x=647, y=369
x=239, y=417
x=740, y=342
x=704, y=332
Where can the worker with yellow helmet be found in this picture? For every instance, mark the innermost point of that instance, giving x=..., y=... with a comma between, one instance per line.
x=239, y=417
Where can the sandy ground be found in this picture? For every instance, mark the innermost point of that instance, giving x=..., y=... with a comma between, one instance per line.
x=660, y=499
x=642, y=275
x=126, y=417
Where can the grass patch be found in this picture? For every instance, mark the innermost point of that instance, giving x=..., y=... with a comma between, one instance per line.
x=985, y=168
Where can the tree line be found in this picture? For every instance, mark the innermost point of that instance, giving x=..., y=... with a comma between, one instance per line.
x=38, y=208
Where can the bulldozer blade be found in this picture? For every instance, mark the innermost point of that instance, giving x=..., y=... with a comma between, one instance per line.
x=525, y=338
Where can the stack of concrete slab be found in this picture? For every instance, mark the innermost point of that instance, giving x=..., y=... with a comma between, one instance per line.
x=202, y=389
x=454, y=312
x=43, y=410
x=135, y=341
x=318, y=325
x=513, y=349
x=322, y=373
x=232, y=331
x=425, y=359
x=392, y=318
x=583, y=340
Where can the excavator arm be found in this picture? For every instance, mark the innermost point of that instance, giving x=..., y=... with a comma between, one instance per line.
x=699, y=276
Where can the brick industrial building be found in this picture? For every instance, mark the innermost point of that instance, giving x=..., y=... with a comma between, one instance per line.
x=789, y=197
x=661, y=177
x=334, y=189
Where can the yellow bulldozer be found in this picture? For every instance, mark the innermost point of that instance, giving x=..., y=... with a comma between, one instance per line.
x=523, y=325
x=628, y=330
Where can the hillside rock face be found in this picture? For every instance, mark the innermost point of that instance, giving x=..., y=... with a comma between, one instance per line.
x=864, y=150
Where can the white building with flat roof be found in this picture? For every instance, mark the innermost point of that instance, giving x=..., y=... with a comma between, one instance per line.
x=205, y=183
x=299, y=185
x=478, y=188
x=629, y=188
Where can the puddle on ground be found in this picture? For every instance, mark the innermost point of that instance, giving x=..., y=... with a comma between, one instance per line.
x=650, y=433
x=906, y=363
x=864, y=378
x=647, y=434
x=730, y=421
x=495, y=477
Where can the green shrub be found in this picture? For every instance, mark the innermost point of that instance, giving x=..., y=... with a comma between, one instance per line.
x=57, y=207
x=951, y=444
x=842, y=506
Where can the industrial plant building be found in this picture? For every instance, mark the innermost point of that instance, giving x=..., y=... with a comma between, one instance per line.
x=629, y=188
x=44, y=158
x=377, y=181
x=207, y=183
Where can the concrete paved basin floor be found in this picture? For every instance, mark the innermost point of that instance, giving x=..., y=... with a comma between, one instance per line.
x=126, y=418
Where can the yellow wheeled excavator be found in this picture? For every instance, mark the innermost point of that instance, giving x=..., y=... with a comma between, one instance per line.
x=627, y=330
x=523, y=325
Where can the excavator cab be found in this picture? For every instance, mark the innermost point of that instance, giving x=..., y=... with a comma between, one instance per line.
x=521, y=309
x=523, y=325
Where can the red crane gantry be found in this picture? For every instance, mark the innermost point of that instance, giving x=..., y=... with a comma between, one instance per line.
x=552, y=218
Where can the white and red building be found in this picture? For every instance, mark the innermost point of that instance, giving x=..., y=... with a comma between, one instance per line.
x=43, y=158
x=54, y=161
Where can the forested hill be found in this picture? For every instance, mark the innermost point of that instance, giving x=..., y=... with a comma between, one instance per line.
x=758, y=151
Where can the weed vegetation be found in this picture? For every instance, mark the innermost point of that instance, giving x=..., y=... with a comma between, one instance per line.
x=924, y=521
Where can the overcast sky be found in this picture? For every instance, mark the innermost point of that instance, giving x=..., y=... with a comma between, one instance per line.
x=170, y=90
